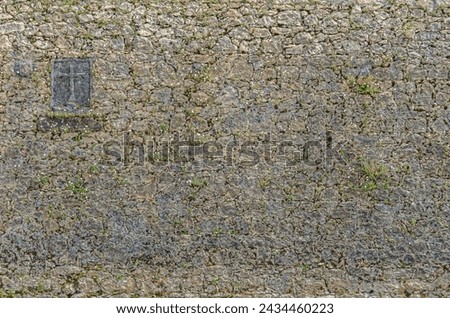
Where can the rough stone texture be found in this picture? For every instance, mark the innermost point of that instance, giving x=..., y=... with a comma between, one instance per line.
x=71, y=84
x=343, y=103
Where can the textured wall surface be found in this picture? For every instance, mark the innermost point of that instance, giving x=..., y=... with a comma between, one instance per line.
x=229, y=148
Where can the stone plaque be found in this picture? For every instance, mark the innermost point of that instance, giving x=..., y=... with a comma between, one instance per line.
x=71, y=85
x=75, y=123
x=23, y=68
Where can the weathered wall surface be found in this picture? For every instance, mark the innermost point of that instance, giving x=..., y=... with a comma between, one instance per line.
x=350, y=97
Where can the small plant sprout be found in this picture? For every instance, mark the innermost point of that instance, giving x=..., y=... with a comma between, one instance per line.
x=373, y=170
x=77, y=187
x=198, y=182
x=376, y=175
x=164, y=128
x=363, y=86
x=93, y=169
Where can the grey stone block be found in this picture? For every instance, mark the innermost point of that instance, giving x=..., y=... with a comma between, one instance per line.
x=71, y=84
x=23, y=68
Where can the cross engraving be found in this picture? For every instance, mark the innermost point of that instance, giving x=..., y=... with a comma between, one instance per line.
x=71, y=85
x=71, y=77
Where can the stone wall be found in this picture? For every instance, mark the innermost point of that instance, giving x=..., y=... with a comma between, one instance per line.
x=228, y=148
